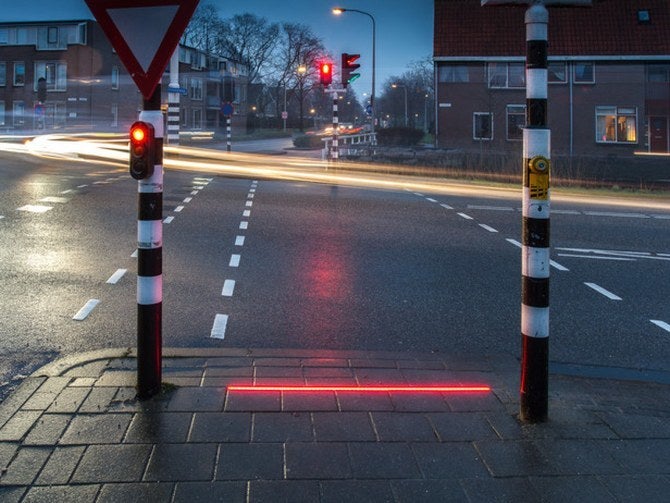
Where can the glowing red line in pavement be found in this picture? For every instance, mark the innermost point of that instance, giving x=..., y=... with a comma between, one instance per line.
x=364, y=389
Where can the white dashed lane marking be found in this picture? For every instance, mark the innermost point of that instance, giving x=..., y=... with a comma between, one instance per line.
x=228, y=288
x=219, y=327
x=603, y=291
x=83, y=313
x=114, y=278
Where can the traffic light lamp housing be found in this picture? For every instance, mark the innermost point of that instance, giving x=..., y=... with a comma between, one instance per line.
x=326, y=73
x=142, y=150
x=348, y=66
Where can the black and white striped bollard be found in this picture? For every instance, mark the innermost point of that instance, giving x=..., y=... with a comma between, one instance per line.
x=150, y=261
x=228, y=134
x=535, y=224
x=336, y=122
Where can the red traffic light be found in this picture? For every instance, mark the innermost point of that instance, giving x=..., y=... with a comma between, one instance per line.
x=326, y=73
x=141, y=150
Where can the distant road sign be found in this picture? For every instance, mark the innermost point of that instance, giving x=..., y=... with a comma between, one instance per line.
x=178, y=90
x=144, y=33
x=284, y=115
x=227, y=109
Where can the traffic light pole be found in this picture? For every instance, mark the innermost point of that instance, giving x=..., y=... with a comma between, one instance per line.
x=150, y=261
x=336, y=123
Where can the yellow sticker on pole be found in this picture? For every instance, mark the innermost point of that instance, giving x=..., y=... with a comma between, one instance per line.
x=538, y=177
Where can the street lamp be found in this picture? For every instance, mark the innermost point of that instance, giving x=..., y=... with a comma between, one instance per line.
x=396, y=86
x=339, y=10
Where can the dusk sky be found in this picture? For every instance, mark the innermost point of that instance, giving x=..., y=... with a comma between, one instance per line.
x=404, y=29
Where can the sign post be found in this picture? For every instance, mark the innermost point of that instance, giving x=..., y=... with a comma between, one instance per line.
x=535, y=260
x=145, y=33
x=227, y=111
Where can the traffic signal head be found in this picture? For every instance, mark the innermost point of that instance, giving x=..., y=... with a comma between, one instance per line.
x=326, y=73
x=142, y=157
x=348, y=66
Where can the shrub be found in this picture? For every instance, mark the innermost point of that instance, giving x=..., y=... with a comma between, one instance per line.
x=399, y=136
x=308, y=141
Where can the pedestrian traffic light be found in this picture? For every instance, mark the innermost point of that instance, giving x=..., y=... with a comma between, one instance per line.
x=326, y=73
x=348, y=66
x=141, y=150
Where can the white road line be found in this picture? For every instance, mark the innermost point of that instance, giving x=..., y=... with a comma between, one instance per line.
x=244, y=225
x=134, y=254
x=661, y=324
x=83, y=313
x=114, y=278
x=68, y=191
x=463, y=215
x=235, y=260
x=246, y=213
x=613, y=214
x=219, y=327
x=661, y=217
x=194, y=192
x=252, y=191
x=239, y=241
x=82, y=186
x=188, y=200
x=418, y=194
x=168, y=219
x=249, y=204
x=228, y=288
x=488, y=228
x=178, y=209
x=250, y=196
x=514, y=242
x=431, y=200
x=558, y=266
x=596, y=257
x=602, y=291
x=35, y=208
x=490, y=208
x=565, y=212
x=446, y=206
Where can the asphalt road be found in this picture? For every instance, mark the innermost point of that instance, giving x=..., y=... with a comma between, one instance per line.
x=253, y=261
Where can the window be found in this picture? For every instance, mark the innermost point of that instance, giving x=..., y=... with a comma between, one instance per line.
x=658, y=73
x=3, y=74
x=616, y=124
x=55, y=74
x=19, y=115
x=4, y=36
x=19, y=73
x=516, y=121
x=115, y=77
x=583, y=73
x=2, y=113
x=115, y=115
x=482, y=126
x=196, y=89
x=453, y=73
x=507, y=75
x=197, y=118
x=556, y=73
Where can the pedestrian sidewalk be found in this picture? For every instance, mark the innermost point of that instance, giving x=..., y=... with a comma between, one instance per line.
x=73, y=431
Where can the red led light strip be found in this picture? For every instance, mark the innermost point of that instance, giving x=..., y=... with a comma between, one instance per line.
x=364, y=389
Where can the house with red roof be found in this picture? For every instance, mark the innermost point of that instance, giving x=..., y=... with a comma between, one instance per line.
x=608, y=78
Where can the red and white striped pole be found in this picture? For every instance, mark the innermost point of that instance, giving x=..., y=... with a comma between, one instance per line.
x=535, y=224
x=336, y=123
x=150, y=260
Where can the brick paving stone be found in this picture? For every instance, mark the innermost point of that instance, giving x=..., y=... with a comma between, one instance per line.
x=640, y=457
x=194, y=363
x=343, y=427
x=229, y=372
x=221, y=427
x=461, y=426
x=118, y=378
x=363, y=363
x=135, y=492
x=250, y=462
x=69, y=400
x=277, y=362
x=196, y=399
x=379, y=376
x=48, y=429
x=51, y=494
x=449, y=460
x=429, y=491
x=637, y=425
x=85, y=382
x=181, y=462
x=512, y=458
x=638, y=487
x=60, y=465
x=383, y=461
x=419, y=402
x=7, y=451
x=317, y=461
x=403, y=426
x=18, y=425
x=266, y=401
x=324, y=362
x=96, y=429
x=369, y=491
x=17, y=399
x=12, y=494
x=561, y=489
x=208, y=492
x=474, y=403
x=166, y=427
x=229, y=361
x=350, y=401
x=315, y=373
x=500, y=489
x=278, y=372
x=282, y=427
x=322, y=401
x=579, y=456
x=284, y=491
x=25, y=466
x=421, y=364
x=98, y=400
x=112, y=463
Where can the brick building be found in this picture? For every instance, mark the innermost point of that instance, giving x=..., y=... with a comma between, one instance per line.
x=65, y=74
x=609, y=77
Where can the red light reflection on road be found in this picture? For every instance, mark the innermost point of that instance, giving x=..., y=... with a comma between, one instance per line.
x=363, y=389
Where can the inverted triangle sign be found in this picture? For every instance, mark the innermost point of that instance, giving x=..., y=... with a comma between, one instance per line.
x=144, y=33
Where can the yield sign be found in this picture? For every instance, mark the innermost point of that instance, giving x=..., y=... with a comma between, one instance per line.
x=144, y=33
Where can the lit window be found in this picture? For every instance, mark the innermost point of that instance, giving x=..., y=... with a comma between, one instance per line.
x=616, y=124
x=516, y=121
x=482, y=126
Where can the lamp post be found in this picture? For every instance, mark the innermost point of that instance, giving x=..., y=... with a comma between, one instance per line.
x=404, y=88
x=339, y=10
